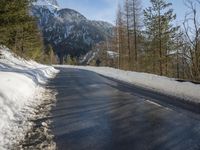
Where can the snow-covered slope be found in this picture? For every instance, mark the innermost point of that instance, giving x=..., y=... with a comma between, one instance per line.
x=90, y=56
x=20, y=91
x=68, y=31
x=187, y=91
x=95, y=55
x=51, y=4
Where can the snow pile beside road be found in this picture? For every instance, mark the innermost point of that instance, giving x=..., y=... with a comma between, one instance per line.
x=20, y=92
x=169, y=86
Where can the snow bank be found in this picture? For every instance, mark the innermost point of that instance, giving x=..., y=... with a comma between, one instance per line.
x=169, y=86
x=20, y=91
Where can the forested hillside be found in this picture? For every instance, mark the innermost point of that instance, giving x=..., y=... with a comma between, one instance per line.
x=20, y=33
x=18, y=30
x=43, y=31
x=152, y=40
x=148, y=39
x=69, y=32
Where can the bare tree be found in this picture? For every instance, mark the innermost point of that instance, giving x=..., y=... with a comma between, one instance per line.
x=127, y=18
x=121, y=43
x=192, y=31
x=136, y=24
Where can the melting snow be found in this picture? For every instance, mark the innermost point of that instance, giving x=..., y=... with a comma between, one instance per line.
x=20, y=91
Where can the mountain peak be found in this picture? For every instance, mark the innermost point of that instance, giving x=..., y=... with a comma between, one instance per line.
x=48, y=3
x=68, y=31
x=54, y=2
x=71, y=15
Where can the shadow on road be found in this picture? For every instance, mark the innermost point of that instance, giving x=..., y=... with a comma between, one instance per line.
x=93, y=112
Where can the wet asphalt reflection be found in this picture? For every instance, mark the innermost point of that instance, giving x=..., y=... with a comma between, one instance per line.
x=97, y=113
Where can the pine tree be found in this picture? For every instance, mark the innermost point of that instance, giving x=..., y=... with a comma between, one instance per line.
x=69, y=60
x=160, y=31
x=48, y=55
x=18, y=30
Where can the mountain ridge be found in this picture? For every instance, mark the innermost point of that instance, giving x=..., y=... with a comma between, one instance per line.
x=68, y=31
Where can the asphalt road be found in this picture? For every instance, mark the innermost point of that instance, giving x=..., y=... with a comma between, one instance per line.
x=97, y=113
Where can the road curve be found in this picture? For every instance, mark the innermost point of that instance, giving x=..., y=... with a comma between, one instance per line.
x=96, y=113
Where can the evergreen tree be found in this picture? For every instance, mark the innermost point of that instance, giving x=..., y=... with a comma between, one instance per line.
x=69, y=60
x=160, y=32
x=48, y=55
x=18, y=30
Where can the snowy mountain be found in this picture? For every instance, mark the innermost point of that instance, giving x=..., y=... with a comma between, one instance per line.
x=53, y=4
x=68, y=31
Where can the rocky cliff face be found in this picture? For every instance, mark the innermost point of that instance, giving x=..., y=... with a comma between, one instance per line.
x=68, y=31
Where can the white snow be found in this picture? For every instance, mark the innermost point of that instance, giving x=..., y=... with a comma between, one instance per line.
x=51, y=5
x=112, y=54
x=89, y=56
x=21, y=90
x=169, y=86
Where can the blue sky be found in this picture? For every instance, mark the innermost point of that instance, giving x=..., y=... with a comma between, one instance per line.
x=106, y=9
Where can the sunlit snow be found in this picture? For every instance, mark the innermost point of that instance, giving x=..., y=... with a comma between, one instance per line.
x=20, y=91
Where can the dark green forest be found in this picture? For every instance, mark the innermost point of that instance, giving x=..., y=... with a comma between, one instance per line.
x=19, y=31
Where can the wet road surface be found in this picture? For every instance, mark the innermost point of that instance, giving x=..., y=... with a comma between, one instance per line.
x=96, y=113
